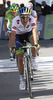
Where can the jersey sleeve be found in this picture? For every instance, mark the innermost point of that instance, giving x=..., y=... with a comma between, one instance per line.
x=34, y=14
x=6, y=17
x=33, y=24
x=14, y=25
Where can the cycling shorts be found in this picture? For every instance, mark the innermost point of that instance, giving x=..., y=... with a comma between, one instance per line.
x=19, y=41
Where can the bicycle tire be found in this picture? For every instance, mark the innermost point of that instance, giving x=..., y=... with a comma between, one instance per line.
x=25, y=72
x=29, y=78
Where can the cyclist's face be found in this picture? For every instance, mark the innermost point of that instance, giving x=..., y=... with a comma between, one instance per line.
x=24, y=19
x=14, y=14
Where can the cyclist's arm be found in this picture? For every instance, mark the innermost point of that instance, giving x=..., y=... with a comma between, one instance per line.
x=34, y=35
x=34, y=31
x=6, y=21
x=36, y=23
x=5, y=25
x=13, y=33
x=35, y=16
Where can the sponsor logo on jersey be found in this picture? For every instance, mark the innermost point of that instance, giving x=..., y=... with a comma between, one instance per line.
x=14, y=27
x=33, y=24
x=18, y=21
x=27, y=26
x=29, y=19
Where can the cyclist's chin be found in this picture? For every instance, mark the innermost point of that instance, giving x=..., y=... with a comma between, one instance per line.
x=25, y=23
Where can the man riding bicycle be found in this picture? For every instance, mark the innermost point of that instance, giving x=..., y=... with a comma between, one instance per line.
x=33, y=12
x=24, y=28
x=10, y=14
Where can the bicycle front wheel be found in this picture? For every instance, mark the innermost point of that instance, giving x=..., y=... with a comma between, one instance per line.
x=29, y=77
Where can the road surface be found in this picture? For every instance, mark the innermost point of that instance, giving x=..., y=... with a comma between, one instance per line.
x=42, y=85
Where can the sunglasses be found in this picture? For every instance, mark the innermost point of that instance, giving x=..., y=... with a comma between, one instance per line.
x=23, y=17
x=14, y=10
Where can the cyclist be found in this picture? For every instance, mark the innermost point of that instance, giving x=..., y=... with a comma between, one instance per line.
x=23, y=28
x=33, y=12
x=10, y=14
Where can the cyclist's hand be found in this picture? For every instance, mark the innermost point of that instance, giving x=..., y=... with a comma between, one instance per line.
x=8, y=34
x=38, y=46
x=13, y=48
x=5, y=33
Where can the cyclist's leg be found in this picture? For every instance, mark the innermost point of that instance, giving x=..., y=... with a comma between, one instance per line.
x=30, y=37
x=20, y=53
x=10, y=44
x=10, y=49
x=20, y=63
x=19, y=43
x=34, y=64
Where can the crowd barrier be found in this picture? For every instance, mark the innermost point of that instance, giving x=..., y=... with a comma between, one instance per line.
x=2, y=29
x=48, y=30
x=45, y=26
x=1, y=19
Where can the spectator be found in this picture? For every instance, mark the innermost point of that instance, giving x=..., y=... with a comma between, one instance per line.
x=45, y=8
x=38, y=10
x=9, y=5
x=21, y=5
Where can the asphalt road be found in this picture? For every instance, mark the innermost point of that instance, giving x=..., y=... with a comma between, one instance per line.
x=42, y=85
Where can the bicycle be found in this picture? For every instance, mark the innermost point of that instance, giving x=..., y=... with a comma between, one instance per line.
x=28, y=72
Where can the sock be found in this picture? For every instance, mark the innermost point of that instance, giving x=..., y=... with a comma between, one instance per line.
x=33, y=57
x=21, y=77
x=11, y=54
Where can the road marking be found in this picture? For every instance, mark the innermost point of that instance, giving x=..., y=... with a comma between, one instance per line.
x=8, y=66
x=44, y=63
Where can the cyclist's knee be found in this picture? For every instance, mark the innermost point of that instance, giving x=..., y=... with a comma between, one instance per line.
x=32, y=41
x=20, y=57
x=19, y=52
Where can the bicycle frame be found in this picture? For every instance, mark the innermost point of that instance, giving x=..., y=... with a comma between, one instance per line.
x=27, y=71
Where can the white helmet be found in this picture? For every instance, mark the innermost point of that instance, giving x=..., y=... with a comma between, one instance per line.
x=29, y=5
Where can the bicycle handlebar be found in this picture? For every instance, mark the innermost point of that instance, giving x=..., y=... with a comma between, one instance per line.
x=28, y=47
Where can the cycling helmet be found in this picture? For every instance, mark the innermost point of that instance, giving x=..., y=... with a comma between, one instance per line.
x=24, y=10
x=29, y=5
x=14, y=8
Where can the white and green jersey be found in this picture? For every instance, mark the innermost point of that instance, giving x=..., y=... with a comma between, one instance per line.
x=9, y=17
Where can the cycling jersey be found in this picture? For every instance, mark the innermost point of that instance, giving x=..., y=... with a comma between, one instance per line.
x=20, y=28
x=34, y=14
x=9, y=17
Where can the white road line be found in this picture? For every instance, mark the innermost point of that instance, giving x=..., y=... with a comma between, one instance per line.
x=44, y=63
x=8, y=66
x=9, y=70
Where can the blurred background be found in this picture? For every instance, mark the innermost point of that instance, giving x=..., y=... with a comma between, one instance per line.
x=44, y=9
